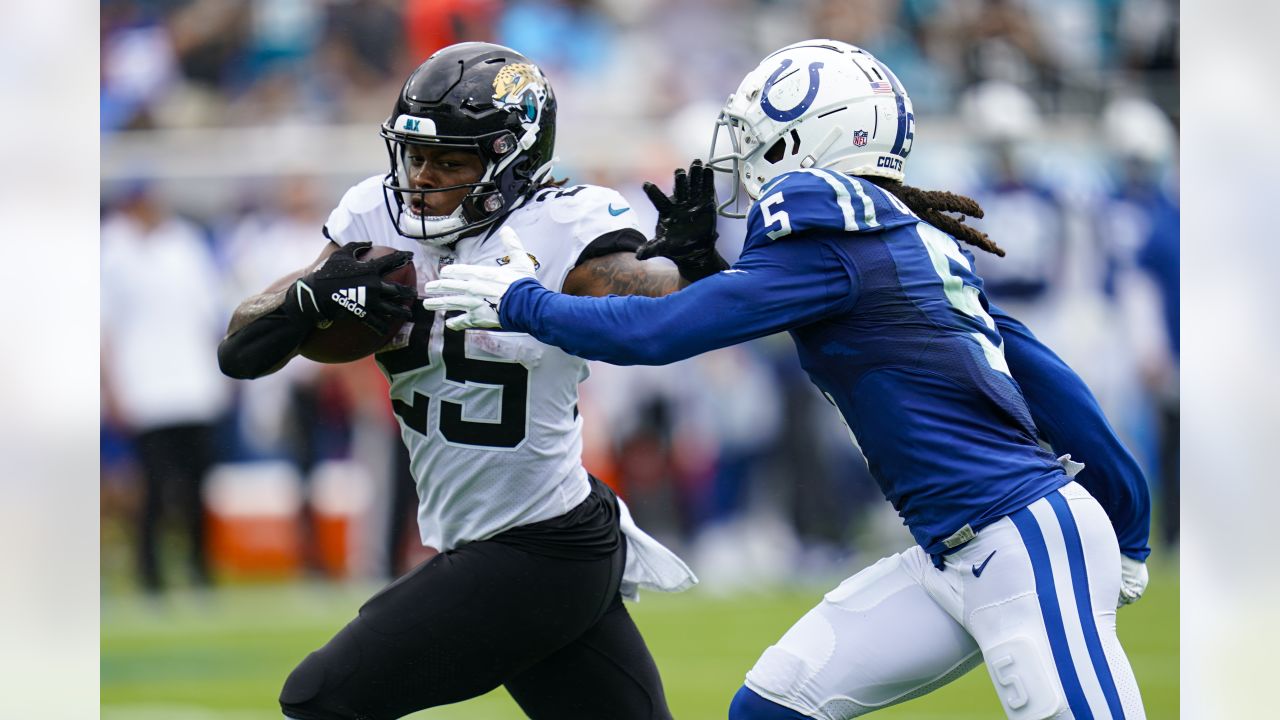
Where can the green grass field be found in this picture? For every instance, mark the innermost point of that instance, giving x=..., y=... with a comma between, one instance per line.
x=224, y=655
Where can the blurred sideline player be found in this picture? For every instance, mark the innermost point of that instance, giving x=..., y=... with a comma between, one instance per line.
x=535, y=554
x=1016, y=564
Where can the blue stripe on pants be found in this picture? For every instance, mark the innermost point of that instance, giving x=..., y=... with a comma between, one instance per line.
x=1033, y=539
x=1080, y=583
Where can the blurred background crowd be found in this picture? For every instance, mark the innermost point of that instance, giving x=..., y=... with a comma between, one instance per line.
x=230, y=128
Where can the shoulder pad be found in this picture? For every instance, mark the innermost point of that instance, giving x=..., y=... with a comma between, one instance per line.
x=362, y=200
x=811, y=199
x=576, y=202
x=557, y=224
x=584, y=211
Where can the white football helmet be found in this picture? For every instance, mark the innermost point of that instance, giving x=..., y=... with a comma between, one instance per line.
x=817, y=103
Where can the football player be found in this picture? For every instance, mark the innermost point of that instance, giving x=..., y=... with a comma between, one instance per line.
x=535, y=553
x=1016, y=564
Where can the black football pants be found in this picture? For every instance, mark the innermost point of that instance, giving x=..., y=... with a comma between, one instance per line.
x=551, y=629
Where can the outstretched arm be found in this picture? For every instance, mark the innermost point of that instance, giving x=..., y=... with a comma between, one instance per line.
x=772, y=288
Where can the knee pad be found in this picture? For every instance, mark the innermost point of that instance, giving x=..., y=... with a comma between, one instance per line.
x=302, y=696
x=747, y=705
x=1020, y=672
x=305, y=681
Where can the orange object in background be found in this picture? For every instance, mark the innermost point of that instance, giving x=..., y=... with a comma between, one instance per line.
x=258, y=547
x=341, y=494
x=252, y=510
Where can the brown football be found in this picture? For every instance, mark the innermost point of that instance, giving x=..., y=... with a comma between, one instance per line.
x=347, y=339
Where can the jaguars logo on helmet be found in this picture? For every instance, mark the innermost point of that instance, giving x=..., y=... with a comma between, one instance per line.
x=522, y=86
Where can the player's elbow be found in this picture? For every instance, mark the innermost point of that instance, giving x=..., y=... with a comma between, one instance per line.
x=233, y=364
x=241, y=361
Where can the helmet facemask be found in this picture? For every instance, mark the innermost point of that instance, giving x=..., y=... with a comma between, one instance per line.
x=482, y=206
x=483, y=99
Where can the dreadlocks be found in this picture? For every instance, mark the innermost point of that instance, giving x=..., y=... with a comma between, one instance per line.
x=932, y=206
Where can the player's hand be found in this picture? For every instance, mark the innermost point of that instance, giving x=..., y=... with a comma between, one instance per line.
x=686, y=229
x=344, y=284
x=477, y=290
x=1133, y=580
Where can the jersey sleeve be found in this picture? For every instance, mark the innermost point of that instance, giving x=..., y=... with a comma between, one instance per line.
x=1070, y=419
x=349, y=220
x=769, y=289
x=806, y=200
x=579, y=216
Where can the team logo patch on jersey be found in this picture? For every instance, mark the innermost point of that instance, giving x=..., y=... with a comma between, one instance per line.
x=520, y=86
x=860, y=138
x=505, y=259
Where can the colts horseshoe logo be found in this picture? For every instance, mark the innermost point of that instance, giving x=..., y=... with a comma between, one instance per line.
x=798, y=110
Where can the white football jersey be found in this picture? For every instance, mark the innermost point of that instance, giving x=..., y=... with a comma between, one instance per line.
x=490, y=418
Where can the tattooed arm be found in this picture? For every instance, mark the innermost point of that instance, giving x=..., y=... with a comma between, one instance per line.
x=621, y=273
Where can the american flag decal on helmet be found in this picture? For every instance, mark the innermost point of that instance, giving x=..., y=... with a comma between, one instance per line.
x=880, y=86
x=860, y=138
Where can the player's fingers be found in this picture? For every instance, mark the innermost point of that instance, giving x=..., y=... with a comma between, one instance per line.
x=454, y=286
x=519, y=257
x=682, y=185
x=707, y=183
x=468, y=272
x=396, y=291
x=452, y=302
x=659, y=199
x=387, y=263
x=470, y=320
x=394, y=310
x=351, y=248
x=459, y=323
x=695, y=179
x=651, y=249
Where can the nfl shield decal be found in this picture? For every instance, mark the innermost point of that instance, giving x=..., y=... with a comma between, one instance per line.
x=859, y=138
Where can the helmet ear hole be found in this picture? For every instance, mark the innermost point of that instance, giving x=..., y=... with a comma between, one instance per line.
x=776, y=152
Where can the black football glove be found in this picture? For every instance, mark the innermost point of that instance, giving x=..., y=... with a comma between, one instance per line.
x=345, y=284
x=686, y=229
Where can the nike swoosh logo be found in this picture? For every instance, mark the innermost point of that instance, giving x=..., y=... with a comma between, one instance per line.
x=977, y=569
x=616, y=213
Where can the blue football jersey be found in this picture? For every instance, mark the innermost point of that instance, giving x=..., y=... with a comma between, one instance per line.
x=890, y=323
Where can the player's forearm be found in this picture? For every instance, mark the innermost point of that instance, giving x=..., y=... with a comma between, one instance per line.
x=627, y=330
x=261, y=338
x=1070, y=419
x=771, y=289
x=623, y=274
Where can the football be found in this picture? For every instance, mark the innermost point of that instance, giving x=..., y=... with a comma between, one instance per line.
x=346, y=338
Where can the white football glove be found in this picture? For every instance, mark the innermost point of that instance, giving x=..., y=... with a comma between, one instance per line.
x=477, y=290
x=1133, y=580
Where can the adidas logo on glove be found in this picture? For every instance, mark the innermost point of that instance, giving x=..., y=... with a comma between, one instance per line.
x=351, y=299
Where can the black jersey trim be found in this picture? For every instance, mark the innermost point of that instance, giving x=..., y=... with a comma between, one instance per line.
x=624, y=240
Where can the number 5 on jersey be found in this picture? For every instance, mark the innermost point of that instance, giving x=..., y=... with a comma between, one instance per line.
x=780, y=217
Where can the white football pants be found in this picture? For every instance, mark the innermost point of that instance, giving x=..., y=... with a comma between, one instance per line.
x=1033, y=594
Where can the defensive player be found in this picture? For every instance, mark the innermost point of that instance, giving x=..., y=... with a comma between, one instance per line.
x=535, y=554
x=1015, y=563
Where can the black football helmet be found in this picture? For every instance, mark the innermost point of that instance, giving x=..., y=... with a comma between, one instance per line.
x=481, y=97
